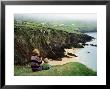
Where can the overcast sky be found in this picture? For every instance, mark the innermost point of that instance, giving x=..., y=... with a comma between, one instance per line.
x=79, y=16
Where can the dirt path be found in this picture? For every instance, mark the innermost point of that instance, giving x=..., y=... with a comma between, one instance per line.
x=65, y=59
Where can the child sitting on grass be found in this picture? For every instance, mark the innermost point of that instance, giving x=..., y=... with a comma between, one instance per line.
x=45, y=65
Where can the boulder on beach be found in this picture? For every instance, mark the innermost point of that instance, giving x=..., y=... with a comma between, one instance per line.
x=72, y=54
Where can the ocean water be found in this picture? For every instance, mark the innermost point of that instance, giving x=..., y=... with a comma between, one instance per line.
x=88, y=54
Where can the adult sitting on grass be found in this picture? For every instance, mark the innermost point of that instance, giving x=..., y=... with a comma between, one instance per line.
x=36, y=60
x=45, y=65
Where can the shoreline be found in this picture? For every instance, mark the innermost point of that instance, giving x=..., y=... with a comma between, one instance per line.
x=66, y=59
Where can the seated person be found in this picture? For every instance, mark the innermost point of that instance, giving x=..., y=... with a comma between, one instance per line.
x=45, y=65
x=36, y=60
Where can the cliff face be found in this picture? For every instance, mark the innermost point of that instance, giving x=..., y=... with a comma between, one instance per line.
x=49, y=41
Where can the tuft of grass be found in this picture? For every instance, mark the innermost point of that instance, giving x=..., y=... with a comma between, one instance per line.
x=69, y=69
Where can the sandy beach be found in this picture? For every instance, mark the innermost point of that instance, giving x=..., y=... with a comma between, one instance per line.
x=65, y=59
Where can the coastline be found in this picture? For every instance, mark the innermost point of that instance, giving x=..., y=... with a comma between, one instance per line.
x=66, y=59
x=66, y=67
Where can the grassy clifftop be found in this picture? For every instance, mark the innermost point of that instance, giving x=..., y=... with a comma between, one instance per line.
x=69, y=69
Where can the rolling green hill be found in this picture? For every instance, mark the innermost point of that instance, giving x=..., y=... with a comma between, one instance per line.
x=68, y=25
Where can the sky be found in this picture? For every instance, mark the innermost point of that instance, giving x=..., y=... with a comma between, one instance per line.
x=74, y=16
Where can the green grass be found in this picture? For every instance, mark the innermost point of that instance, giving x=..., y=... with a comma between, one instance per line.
x=69, y=69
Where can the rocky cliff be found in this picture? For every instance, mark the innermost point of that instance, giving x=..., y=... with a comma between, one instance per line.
x=49, y=41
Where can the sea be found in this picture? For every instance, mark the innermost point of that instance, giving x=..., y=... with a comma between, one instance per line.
x=88, y=54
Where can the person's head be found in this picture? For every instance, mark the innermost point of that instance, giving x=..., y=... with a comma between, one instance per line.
x=36, y=52
x=45, y=60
